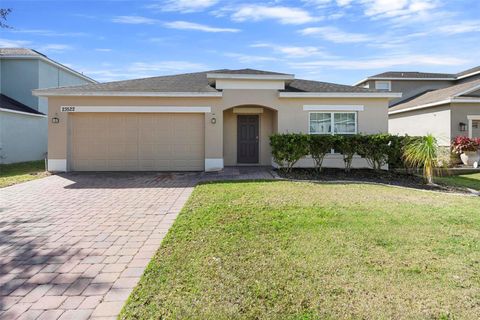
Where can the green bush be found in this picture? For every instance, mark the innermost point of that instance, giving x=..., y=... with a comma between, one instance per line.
x=422, y=152
x=319, y=147
x=347, y=145
x=395, y=151
x=288, y=148
x=375, y=148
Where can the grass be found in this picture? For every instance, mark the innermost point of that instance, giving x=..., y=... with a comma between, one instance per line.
x=471, y=181
x=291, y=250
x=14, y=173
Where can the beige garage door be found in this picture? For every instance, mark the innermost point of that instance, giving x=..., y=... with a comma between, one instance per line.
x=137, y=142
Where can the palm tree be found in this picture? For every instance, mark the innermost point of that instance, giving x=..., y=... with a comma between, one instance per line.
x=422, y=152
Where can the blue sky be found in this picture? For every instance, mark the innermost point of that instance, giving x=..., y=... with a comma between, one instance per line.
x=329, y=40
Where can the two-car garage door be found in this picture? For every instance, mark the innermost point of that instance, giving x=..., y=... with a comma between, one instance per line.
x=137, y=142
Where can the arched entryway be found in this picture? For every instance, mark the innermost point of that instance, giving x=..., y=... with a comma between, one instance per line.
x=246, y=132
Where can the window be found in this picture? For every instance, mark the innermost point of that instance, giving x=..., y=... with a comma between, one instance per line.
x=383, y=85
x=320, y=123
x=333, y=123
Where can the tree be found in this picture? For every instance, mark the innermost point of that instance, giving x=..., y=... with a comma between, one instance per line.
x=422, y=152
x=3, y=18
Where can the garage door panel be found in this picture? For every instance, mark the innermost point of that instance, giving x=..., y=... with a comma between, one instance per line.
x=132, y=142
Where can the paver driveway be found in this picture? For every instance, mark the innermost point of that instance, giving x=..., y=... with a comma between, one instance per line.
x=74, y=246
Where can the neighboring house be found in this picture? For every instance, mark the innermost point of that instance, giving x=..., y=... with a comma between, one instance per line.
x=201, y=121
x=23, y=121
x=446, y=105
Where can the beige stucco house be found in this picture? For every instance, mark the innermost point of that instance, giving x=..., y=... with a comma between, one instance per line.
x=445, y=105
x=200, y=121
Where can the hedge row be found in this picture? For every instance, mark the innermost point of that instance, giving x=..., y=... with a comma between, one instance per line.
x=377, y=149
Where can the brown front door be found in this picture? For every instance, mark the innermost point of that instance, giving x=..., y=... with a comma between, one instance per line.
x=247, y=139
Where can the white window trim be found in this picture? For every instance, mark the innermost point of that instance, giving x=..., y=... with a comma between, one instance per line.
x=389, y=83
x=333, y=107
x=332, y=123
x=470, y=124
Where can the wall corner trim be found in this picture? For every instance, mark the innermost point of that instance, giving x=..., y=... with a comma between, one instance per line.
x=57, y=165
x=213, y=164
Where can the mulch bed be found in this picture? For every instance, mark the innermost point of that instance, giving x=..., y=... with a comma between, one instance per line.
x=366, y=175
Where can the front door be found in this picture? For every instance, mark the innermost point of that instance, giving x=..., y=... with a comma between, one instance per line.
x=247, y=139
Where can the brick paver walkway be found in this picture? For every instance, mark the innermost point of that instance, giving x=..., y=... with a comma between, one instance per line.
x=74, y=246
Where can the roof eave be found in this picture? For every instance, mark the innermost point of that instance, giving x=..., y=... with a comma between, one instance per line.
x=46, y=93
x=468, y=75
x=41, y=115
x=339, y=94
x=437, y=103
x=409, y=79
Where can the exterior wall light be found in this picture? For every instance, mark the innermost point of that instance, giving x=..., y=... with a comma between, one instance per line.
x=55, y=119
x=213, y=120
x=462, y=126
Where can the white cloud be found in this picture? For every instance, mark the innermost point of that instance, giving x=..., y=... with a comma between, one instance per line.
x=103, y=49
x=292, y=51
x=143, y=70
x=245, y=58
x=284, y=15
x=183, y=6
x=185, y=25
x=397, y=8
x=54, y=47
x=460, y=27
x=7, y=43
x=133, y=20
x=384, y=62
x=162, y=67
x=336, y=35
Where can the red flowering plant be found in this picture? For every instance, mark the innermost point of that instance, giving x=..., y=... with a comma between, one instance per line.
x=463, y=144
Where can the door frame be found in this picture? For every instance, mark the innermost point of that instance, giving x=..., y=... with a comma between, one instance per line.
x=258, y=140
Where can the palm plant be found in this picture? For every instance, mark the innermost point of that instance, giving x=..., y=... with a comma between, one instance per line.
x=422, y=152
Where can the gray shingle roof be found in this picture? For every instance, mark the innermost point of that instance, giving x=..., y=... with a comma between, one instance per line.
x=472, y=70
x=413, y=74
x=19, y=52
x=196, y=83
x=436, y=95
x=248, y=71
x=299, y=85
x=11, y=104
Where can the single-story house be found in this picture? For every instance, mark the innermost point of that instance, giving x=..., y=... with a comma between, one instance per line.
x=201, y=121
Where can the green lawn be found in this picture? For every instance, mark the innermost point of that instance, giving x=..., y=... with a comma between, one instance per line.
x=20, y=172
x=471, y=181
x=288, y=250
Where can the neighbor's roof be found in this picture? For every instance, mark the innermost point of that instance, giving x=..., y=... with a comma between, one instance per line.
x=19, y=52
x=30, y=53
x=436, y=97
x=13, y=105
x=193, y=83
x=468, y=72
x=412, y=75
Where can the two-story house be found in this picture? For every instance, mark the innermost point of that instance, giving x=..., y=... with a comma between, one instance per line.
x=23, y=121
x=445, y=105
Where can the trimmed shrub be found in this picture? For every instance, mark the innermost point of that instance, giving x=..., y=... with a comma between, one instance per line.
x=347, y=145
x=375, y=148
x=288, y=148
x=319, y=147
